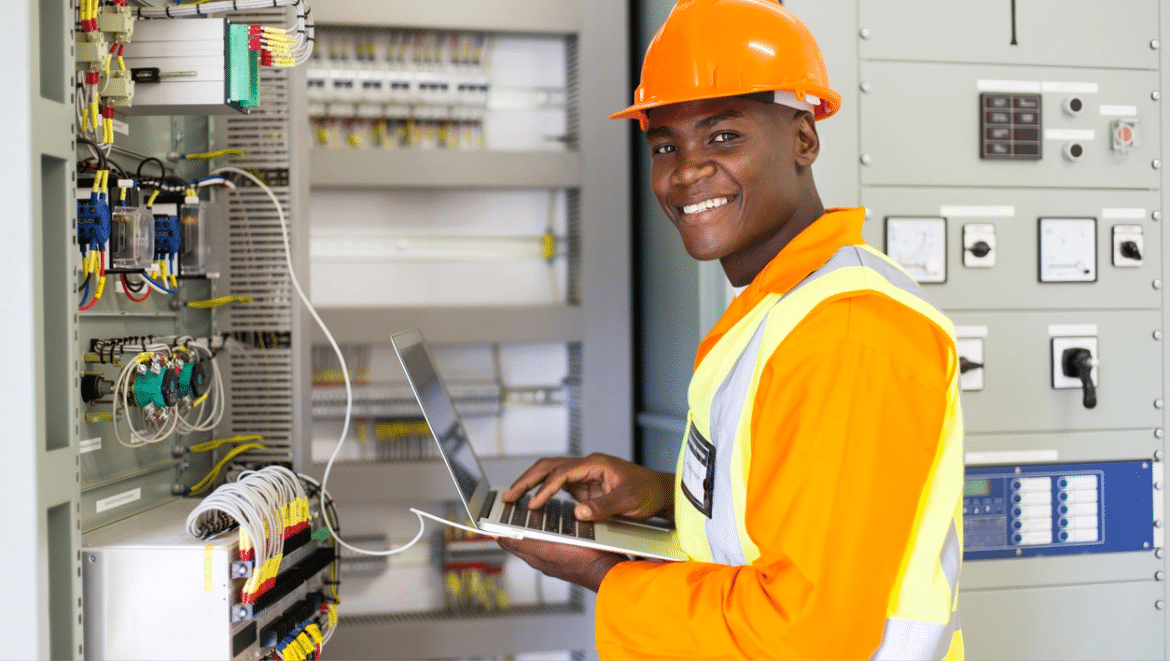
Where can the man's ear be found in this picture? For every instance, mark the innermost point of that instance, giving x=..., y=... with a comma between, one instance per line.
x=806, y=142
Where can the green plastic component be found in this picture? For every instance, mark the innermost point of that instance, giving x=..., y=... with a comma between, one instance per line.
x=160, y=389
x=243, y=69
x=321, y=535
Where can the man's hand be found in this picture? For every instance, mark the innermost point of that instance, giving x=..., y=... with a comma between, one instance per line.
x=605, y=486
x=577, y=564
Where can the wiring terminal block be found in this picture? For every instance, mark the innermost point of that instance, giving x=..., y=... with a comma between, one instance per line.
x=90, y=49
x=93, y=224
x=118, y=22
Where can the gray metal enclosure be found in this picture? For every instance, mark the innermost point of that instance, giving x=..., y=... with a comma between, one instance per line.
x=907, y=144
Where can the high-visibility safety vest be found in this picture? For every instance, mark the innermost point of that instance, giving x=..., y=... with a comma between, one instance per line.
x=922, y=621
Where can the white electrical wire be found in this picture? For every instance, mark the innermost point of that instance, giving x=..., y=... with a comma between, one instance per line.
x=345, y=372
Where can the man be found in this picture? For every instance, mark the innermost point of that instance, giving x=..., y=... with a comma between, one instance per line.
x=819, y=484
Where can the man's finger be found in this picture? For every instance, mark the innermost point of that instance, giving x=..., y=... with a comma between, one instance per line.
x=566, y=473
x=532, y=477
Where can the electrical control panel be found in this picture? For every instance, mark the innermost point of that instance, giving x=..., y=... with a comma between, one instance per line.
x=1058, y=509
x=1032, y=132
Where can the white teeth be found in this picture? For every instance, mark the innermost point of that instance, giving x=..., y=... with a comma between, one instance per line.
x=704, y=205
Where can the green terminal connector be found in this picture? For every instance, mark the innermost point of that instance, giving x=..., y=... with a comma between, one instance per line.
x=243, y=69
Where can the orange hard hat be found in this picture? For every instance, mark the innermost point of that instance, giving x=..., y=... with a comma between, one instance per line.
x=713, y=48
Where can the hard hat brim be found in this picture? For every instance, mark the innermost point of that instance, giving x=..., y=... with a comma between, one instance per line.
x=830, y=104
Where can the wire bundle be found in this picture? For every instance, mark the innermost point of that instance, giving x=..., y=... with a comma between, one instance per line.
x=274, y=44
x=269, y=505
x=300, y=32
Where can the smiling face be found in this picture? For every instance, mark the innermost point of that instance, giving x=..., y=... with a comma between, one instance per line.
x=733, y=175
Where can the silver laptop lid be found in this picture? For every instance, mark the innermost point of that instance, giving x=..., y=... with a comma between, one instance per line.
x=439, y=411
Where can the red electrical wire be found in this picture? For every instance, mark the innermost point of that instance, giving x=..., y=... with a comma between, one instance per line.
x=126, y=288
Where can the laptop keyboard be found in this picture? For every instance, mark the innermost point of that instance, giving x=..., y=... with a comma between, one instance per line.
x=556, y=517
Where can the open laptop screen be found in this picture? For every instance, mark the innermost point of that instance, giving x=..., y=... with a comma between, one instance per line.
x=439, y=412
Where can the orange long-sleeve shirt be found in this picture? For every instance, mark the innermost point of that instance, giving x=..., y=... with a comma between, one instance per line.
x=845, y=426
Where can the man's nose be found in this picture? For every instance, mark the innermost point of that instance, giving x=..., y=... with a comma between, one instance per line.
x=694, y=167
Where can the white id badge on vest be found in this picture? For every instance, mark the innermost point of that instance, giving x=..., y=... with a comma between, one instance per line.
x=698, y=471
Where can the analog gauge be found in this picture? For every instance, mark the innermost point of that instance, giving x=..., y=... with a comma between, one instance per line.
x=1068, y=249
x=919, y=245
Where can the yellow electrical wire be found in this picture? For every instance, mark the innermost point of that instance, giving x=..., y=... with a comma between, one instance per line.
x=210, y=478
x=207, y=446
x=99, y=417
x=395, y=429
x=153, y=197
x=208, y=155
x=217, y=302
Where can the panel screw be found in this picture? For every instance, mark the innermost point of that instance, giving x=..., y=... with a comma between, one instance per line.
x=1158, y=403
x=93, y=558
x=1158, y=433
x=1156, y=284
x=1159, y=604
x=1159, y=553
x=864, y=33
x=1154, y=44
x=865, y=87
x=1158, y=454
x=1157, y=335
x=1156, y=164
x=1157, y=523
x=1158, y=485
x=1156, y=95
x=866, y=159
x=1156, y=215
x=1159, y=575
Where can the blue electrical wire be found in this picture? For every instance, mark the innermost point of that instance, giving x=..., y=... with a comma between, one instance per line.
x=84, y=294
x=161, y=288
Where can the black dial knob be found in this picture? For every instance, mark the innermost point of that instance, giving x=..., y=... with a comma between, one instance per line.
x=966, y=365
x=980, y=249
x=1130, y=250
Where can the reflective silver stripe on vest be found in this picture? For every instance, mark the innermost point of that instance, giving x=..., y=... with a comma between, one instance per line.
x=915, y=639
x=727, y=407
x=847, y=256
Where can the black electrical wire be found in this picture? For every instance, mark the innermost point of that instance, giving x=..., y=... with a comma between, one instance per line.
x=162, y=168
x=88, y=277
x=132, y=287
x=101, y=156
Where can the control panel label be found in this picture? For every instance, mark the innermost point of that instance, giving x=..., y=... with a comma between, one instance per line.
x=90, y=445
x=119, y=500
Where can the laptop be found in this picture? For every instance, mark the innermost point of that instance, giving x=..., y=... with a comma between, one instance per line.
x=555, y=522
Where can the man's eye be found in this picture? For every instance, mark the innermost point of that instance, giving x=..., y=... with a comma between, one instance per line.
x=662, y=149
x=723, y=136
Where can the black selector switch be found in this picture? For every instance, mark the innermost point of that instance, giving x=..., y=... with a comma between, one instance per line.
x=980, y=249
x=1078, y=363
x=966, y=365
x=1130, y=250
